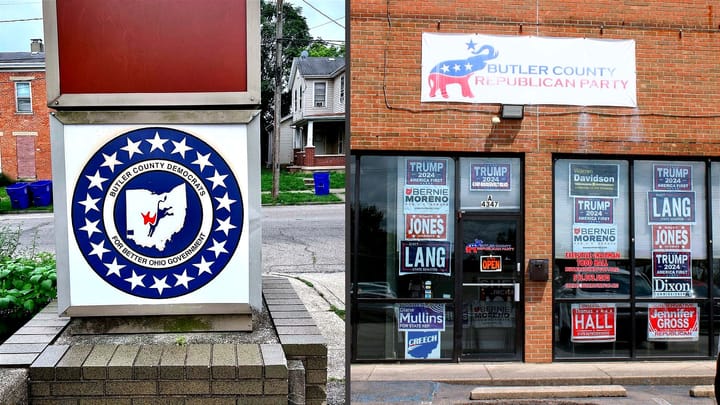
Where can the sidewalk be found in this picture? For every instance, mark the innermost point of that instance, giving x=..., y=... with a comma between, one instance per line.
x=324, y=299
x=700, y=372
x=428, y=383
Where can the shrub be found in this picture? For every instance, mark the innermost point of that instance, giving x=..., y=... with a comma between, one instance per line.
x=27, y=284
x=28, y=279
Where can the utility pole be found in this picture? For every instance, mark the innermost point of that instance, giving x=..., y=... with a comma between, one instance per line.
x=278, y=91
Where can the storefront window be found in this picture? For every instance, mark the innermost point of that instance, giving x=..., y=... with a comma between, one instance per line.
x=404, y=259
x=592, y=258
x=614, y=302
x=490, y=184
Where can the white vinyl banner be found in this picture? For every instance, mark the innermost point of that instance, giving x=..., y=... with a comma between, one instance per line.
x=472, y=68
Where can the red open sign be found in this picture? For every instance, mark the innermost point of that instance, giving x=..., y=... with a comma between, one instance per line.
x=490, y=263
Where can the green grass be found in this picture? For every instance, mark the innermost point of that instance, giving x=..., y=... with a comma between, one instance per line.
x=6, y=206
x=339, y=312
x=295, y=181
x=299, y=198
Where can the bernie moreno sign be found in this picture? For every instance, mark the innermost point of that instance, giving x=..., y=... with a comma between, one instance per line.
x=472, y=68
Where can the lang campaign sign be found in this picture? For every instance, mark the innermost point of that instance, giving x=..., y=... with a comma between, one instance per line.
x=473, y=68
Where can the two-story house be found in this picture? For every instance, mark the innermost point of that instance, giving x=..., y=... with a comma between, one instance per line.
x=24, y=115
x=316, y=124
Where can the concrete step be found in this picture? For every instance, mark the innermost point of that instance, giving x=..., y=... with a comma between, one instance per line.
x=546, y=392
x=702, y=391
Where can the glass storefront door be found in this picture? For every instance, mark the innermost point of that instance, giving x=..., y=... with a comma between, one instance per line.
x=491, y=274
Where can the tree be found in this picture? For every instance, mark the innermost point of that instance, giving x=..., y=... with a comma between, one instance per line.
x=320, y=48
x=296, y=38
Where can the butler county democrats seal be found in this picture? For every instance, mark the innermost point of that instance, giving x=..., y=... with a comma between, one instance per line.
x=157, y=213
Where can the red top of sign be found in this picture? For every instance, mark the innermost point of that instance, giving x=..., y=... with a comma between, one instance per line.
x=158, y=46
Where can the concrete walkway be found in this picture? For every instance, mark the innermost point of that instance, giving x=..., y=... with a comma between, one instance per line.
x=431, y=383
x=560, y=373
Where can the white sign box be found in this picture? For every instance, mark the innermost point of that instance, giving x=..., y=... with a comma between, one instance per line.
x=156, y=218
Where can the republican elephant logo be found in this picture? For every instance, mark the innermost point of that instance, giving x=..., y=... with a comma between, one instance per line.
x=458, y=71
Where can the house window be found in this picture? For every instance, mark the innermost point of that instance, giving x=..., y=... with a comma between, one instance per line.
x=342, y=88
x=23, y=101
x=320, y=94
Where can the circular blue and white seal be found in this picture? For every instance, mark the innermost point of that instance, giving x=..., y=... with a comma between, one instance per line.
x=157, y=213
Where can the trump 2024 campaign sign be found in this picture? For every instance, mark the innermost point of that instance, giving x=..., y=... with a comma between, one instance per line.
x=157, y=216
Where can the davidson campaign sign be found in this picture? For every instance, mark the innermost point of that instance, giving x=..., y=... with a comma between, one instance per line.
x=473, y=68
x=594, y=180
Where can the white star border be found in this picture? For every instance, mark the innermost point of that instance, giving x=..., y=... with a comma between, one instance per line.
x=130, y=148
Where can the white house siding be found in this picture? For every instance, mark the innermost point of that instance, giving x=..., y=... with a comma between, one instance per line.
x=338, y=104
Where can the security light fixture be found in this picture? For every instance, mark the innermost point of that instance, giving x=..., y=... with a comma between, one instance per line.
x=512, y=112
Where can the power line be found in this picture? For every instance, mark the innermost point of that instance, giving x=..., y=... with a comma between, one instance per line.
x=324, y=15
x=21, y=20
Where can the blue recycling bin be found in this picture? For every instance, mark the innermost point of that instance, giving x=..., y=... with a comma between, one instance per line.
x=41, y=193
x=322, y=183
x=19, y=196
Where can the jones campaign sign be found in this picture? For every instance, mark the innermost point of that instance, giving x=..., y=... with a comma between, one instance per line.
x=425, y=226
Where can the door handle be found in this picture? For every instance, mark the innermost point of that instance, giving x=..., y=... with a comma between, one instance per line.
x=516, y=287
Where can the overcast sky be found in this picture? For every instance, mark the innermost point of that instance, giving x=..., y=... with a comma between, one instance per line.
x=15, y=34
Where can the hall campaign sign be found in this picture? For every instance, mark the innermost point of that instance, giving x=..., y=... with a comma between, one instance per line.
x=473, y=68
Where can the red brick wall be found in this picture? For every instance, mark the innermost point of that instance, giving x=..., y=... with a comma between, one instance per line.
x=678, y=87
x=330, y=160
x=37, y=122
